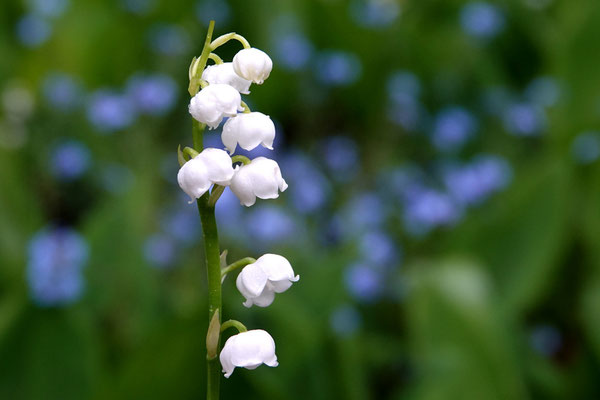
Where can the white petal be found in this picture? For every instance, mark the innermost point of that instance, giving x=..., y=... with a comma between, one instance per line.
x=241, y=186
x=224, y=73
x=193, y=178
x=218, y=165
x=251, y=281
x=265, y=299
x=252, y=64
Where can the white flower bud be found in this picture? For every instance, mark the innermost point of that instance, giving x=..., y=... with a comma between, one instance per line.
x=258, y=282
x=224, y=73
x=214, y=102
x=248, y=350
x=252, y=64
x=261, y=178
x=212, y=166
x=248, y=130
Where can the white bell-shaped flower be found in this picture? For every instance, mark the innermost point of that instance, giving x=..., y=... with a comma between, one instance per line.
x=214, y=102
x=212, y=166
x=224, y=73
x=261, y=178
x=258, y=282
x=248, y=350
x=252, y=64
x=248, y=130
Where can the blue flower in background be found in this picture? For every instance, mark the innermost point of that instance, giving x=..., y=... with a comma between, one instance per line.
x=62, y=91
x=453, y=126
x=139, y=7
x=33, y=31
x=70, y=160
x=337, y=68
x=363, y=212
x=585, y=148
x=270, y=224
x=524, y=119
x=496, y=100
x=110, y=111
x=543, y=91
x=364, y=283
x=379, y=249
x=229, y=214
x=374, y=13
x=407, y=112
x=345, y=320
x=292, y=50
x=427, y=208
x=340, y=155
x=160, y=251
x=473, y=183
x=217, y=10
x=403, y=84
x=48, y=8
x=54, y=269
x=546, y=340
x=309, y=188
x=169, y=40
x=182, y=223
x=152, y=94
x=481, y=20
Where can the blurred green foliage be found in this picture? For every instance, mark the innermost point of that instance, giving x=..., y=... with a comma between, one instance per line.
x=461, y=316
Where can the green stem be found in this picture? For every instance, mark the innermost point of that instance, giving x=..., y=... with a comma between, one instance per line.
x=239, y=158
x=232, y=323
x=238, y=264
x=221, y=40
x=209, y=233
x=215, y=58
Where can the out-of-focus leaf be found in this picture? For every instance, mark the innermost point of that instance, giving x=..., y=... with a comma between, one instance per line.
x=523, y=237
x=461, y=347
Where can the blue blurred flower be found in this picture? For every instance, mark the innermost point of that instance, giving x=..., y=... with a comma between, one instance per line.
x=428, y=208
x=585, y=148
x=453, y=126
x=270, y=224
x=407, y=112
x=33, y=31
x=182, y=223
x=160, y=251
x=363, y=212
x=379, y=249
x=524, y=119
x=481, y=20
x=54, y=269
x=110, y=111
x=364, y=283
x=337, y=68
x=546, y=340
x=139, y=7
x=229, y=214
x=152, y=94
x=70, y=160
x=292, y=50
x=543, y=91
x=340, y=154
x=170, y=40
x=309, y=188
x=345, y=320
x=218, y=10
x=62, y=91
x=473, y=183
x=398, y=181
x=374, y=13
x=48, y=8
x=496, y=100
x=403, y=84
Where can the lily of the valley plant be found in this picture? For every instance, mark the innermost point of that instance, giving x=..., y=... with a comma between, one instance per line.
x=204, y=175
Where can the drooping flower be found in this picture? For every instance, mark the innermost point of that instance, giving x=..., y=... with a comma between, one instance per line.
x=258, y=282
x=252, y=64
x=224, y=73
x=248, y=131
x=214, y=102
x=261, y=178
x=212, y=166
x=248, y=350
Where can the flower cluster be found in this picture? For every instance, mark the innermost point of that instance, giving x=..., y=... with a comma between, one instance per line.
x=222, y=85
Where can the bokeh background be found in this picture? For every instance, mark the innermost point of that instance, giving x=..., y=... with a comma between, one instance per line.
x=443, y=208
